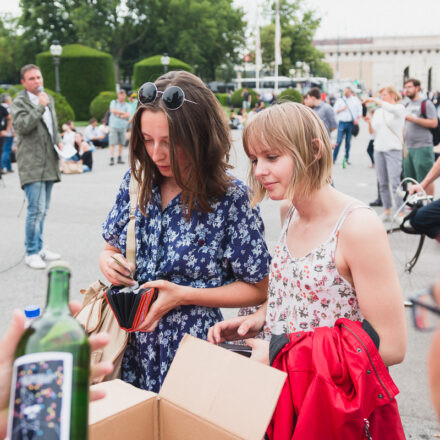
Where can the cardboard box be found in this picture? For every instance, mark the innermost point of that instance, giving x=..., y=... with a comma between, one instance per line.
x=209, y=393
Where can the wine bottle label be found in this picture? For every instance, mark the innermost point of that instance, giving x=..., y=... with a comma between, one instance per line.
x=41, y=390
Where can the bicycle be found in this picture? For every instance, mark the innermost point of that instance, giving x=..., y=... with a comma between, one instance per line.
x=406, y=243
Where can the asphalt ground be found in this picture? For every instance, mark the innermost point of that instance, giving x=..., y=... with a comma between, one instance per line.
x=73, y=228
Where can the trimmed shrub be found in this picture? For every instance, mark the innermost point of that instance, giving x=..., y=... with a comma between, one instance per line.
x=84, y=73
x=223, y=98
x=63, y=109
x=100, y=105
x=237, y=99
x=290, y=95
x=149, y=69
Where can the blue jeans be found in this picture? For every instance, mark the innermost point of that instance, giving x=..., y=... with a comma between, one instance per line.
x=6, y=156
x=344, y=129
x=38, y=197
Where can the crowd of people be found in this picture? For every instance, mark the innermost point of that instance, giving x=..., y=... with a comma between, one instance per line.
x=330, y=286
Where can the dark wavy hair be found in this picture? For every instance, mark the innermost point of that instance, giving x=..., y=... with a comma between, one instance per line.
x=200, y=130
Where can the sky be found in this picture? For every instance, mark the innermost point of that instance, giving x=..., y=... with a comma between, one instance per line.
x=351, y=18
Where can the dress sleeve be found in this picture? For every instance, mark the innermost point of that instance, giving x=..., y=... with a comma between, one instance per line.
x=245, y=247
x=114, y=229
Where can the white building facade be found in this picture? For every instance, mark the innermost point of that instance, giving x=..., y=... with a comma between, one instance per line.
x=381, y=61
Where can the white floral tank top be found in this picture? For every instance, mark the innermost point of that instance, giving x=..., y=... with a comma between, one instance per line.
x=308, y=292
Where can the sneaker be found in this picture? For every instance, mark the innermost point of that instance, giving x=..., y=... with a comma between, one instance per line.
x=112, y=161
x=34, y=261
x=47, y=255
x=376, y=202
x=386, y=218
x=120, y=160
x=344, y=163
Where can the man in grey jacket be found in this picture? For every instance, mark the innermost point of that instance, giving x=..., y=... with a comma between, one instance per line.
x=35, y=122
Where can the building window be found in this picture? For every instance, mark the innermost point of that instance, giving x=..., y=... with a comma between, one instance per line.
x=379, y=52
x=362, y=53
x=387, y=52
x=346, y=54
x=420, y=51
x=395, y=52
x=404, y=52
x=428, y=51
x=354, y=54
x=411, y=51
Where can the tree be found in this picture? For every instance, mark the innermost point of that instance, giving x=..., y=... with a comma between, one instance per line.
x=298, y=27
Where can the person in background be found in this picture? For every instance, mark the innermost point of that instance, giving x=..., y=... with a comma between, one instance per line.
x=387, y=126
x=348, y=110
x=418, y=137
x=93, y=135
x=259, y=105
x=104, y=130
x=118, y=121
x=247, y=98
x=7, y=135
x=35, y=122
x=313, y=100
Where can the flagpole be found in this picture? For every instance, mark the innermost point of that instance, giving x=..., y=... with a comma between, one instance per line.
x=278, y=59
x=257, y=50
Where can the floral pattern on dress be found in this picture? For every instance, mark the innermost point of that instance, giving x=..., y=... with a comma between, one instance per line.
x=308, y=292
x=210, y=250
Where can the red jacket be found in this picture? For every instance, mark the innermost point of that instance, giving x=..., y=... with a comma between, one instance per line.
x=337, y=387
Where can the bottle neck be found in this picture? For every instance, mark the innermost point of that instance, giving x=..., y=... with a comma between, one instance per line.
x=58, y=291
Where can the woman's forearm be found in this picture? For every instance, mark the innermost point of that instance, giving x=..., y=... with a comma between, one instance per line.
x=236, y=294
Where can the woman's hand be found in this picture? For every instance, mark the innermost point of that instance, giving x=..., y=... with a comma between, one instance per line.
x=240, y=327
x=116, y=268
x=169, y=297
x=260, y=350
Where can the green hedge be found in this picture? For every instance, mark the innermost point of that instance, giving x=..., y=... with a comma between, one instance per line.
x=100, y=105
x=290, y=95
x=237, y=99
x=223, y=98
x=149, y=69
x=84, y=73
x=63, y=109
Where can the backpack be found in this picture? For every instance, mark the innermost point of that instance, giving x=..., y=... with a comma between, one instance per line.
x=3, y=118
x=434, y=131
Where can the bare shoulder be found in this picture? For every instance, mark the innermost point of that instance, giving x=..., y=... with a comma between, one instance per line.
x=284, y=209
x=361, y=226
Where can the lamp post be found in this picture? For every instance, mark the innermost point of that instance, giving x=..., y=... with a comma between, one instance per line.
x=165, y=60
x=56, y=50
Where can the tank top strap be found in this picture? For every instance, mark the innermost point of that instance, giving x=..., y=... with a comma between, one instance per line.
x=287, y=219
x=353, y=206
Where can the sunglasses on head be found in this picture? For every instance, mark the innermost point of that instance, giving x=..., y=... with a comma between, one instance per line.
x=173, y=97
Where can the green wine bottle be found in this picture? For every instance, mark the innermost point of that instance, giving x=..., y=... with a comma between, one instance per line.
x=50, y=383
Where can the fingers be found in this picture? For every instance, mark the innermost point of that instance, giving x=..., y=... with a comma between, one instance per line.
x=75, y=307
x=13, y=334
x=98, y=341
x=96, y=395
x=100, y=370
x=244, y=328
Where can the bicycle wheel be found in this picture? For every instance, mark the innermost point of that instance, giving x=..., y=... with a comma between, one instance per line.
x=411, y=251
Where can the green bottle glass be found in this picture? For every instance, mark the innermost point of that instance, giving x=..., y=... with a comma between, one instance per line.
x=50, y=383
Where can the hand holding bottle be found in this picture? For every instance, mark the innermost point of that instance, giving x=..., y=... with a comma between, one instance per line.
x=8, y=345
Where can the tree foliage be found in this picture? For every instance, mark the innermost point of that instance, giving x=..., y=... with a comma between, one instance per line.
x=203, y=33
x=298, y=27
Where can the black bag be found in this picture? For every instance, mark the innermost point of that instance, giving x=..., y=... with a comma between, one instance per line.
x=13, y=158
x=434, y=131
x=355, y=130
x=3, y=118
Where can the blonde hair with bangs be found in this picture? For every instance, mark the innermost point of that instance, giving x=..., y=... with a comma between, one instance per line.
x=393, y=92
x=294, y=129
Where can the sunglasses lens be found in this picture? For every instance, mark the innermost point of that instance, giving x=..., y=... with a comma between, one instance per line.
x=147, y=93
x=173, y=97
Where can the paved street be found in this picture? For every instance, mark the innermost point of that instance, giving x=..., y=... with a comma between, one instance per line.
x=81, y=202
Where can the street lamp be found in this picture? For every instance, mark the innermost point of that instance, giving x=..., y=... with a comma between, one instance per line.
x=165, y=60
x=56, y=50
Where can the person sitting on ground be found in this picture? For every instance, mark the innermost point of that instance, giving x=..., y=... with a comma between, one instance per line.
x=259, y=105
x=93, y=135
x=83, y=159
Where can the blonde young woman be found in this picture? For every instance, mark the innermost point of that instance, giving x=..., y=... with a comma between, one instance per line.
x=387, y=126
x=333, y=259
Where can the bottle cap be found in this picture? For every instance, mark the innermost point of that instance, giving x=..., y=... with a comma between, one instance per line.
x=32, y=311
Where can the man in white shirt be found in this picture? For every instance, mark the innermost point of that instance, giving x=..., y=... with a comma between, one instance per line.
x=348, y=110
x=93, y=135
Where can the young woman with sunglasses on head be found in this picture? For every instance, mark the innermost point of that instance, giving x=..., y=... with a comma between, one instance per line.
x=197, y=238
x=333, y=259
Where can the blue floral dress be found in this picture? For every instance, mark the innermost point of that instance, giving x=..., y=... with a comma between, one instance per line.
x=209, y=250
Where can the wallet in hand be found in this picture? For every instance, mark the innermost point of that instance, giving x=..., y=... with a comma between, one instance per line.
x=130, y=306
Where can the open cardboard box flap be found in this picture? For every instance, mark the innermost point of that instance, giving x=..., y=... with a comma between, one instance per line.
x=211, y=385
x=222, y=387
